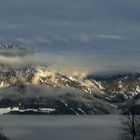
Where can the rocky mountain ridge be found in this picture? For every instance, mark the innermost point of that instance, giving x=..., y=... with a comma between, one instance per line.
x=37, y=89
x=98, y=95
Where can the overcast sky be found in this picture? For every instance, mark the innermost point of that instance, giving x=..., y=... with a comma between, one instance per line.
x=94, y=35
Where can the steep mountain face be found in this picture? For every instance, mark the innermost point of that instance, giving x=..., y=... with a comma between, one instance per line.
x=10, y=77
x=98, y=95
x=119, y=87
x=67, y=103
x=14, y=77
x=62, y=104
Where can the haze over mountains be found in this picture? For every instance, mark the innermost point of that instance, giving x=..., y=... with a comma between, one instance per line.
x=34, y=88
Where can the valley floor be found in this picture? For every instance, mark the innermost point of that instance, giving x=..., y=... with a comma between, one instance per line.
x=31, y=127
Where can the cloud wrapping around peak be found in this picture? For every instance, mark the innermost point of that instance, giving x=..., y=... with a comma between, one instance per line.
x=13, y=50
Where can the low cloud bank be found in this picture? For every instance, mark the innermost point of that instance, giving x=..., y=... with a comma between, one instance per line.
x=37, y=91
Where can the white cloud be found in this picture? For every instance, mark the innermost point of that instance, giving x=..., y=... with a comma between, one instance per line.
x=81, y=37
x=42, y=39
x=110, y=36
x=61, y=39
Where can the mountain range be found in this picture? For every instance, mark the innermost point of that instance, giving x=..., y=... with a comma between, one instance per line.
x=36, y=89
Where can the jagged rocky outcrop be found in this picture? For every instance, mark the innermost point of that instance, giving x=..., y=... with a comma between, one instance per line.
x=10, y=77
x=99, y=95
x=119, y=87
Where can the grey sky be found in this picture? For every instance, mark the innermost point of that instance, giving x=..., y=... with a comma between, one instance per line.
x=97, y=35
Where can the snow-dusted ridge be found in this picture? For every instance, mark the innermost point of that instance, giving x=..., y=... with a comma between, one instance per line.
x=43, y=76
x=17, y=109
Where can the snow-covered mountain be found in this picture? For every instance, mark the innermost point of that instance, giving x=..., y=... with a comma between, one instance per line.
x=67, y=103
x=94, y=94
x=10, y=77
x=99, y=95
x=119, y=87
